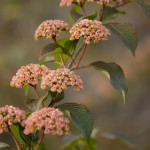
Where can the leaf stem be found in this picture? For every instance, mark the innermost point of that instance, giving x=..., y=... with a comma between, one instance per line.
x=54, y=100
x=81, y=56
x=122, y=3
x=62, y=60
x=83, y=10
x=40, y=141
x=17, y=144
x=102, y=13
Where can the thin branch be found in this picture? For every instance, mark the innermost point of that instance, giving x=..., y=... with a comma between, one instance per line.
x=81, y=55
x=102, y=13
x=83, y=10
x=14, y=138
x=40, y=141
x=54, y=100
x=62, y=60
x=81, y=67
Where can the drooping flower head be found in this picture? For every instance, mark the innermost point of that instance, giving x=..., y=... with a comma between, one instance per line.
x=69, y=2
x=29, y=74
x=51, y=29
x=89, y=30
x=59, y=79
x=50, y=120
x=10, y=115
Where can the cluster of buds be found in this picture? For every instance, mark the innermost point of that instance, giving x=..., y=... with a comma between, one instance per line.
x=89, y=30
x=59, y=79
x=51, y=29
x=29, y=74
x=69, y=2
x=50, y=120
x=10, y=115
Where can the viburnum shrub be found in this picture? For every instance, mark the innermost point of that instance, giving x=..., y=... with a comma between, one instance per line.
x=45, y=116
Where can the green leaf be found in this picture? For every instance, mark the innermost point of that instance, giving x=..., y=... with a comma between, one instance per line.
x=31, y=103
x=114, y=73
x=42, y=100
x=81, y=141
x=41, y=147
x=28, y=114
x=81, y=117
x=16, y=133
x=3, y=145
x=53, y=96
x=74, y=13
x=127, y=33
x=110, y=13
x=70, y=46
x=120, y=137
x=145, y=5
x=92, y=16
x=26, y=88
x=48, y=49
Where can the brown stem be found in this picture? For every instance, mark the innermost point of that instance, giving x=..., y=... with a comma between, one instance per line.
x=62, y=60
x=83, y=10
x=54, y=100
x=40, y=141
x=81, y=56
x=17, y=144
x=81, y=67
x=38, y=96
x=102, y=13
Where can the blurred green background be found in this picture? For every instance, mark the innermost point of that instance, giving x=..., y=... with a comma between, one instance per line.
x=18, y=22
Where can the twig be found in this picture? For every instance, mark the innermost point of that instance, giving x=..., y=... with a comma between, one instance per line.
x=54, y=100
x=40, y=141
x=102, y=13
x=62, y=60
x=81, y=55
x=83, y=10
x=17, y=144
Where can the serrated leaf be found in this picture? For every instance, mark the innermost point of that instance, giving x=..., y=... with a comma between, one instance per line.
x=26, y=88
x=74, y=13
x=48, y=49
x=3, y=145
x=145, y=5
x=127, y=33
x=81, y=142
x=59, y=98
x=120, y=137
x=42, y=100
x=114, y=73
x=81, y=117
x=110, y=13
x=70, y=46
x=31, y=103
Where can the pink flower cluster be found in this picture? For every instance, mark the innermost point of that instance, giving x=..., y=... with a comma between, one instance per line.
x=90, y=30
x=50, y=120
x=51, y=29
x=59, y=79
x=10, y=115
x=29, y=74
x=69, y=2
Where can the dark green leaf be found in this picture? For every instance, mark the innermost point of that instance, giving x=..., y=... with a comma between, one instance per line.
x=31, y=103
x=28, y=114
x=110, y=13
x=127, y=33
x=29, y=139
x=26, y=88
x=81, y=142
x=70, y=46
x=42, y=100
x=120, y=137
x=48, y=49
x=74, y=13
x=145, y=5
x=3, y=145
x=42, y=147
x=114, y=73
x=81, y=117
x=53, y=96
